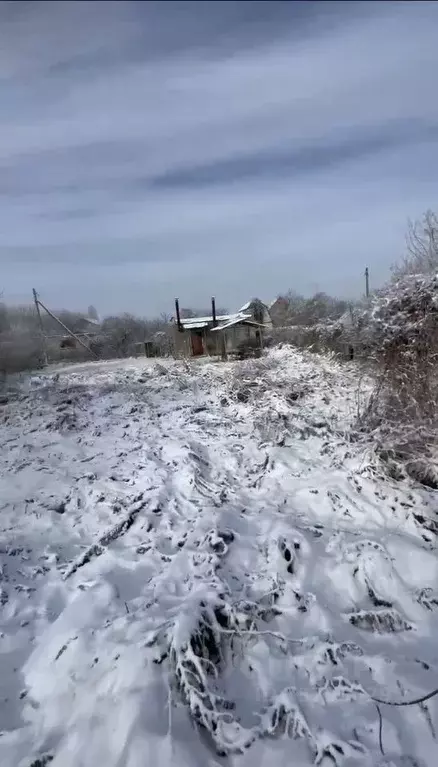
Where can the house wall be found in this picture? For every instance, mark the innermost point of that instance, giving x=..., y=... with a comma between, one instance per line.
x=213, y=341
x=181, y=343
x=267, y=319
x=238, y=335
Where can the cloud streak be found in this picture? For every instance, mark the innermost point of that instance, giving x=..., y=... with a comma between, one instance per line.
x=280, y=140
x=312, y=158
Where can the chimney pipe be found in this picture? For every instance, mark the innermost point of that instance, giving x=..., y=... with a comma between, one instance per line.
x=213, y=310
x=178, y=316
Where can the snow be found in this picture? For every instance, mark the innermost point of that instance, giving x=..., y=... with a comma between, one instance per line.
x=245, y=307
x=144, y=503
x=246, y=318
x=193, y=323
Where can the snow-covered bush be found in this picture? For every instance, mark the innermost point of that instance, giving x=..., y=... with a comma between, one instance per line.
x=401, y=335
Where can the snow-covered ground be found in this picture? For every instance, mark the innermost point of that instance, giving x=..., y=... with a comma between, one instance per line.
x=201, y=564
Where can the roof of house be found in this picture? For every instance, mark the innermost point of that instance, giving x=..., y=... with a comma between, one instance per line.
x=199, y=323
x=195, y=323
x=186, y=321
x=244, y=319
x=280, y=300
x=248, y=304
x=245, y=307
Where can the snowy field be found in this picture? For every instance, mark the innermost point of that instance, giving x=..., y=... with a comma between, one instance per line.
x=201, y=564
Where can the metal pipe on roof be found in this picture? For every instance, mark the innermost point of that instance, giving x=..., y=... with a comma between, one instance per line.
x=213, y=311
x=178, y=316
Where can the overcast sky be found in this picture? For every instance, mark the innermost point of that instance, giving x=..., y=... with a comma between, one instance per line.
x=155, y=149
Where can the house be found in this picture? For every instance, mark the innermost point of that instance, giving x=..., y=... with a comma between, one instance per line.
x=259, y=312
x=221, y=334
x=279, y=311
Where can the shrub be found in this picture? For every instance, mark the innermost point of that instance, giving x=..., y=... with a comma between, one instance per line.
x=19, y=352
x=401, y=334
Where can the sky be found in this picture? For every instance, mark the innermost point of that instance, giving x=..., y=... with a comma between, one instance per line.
x=158, y=149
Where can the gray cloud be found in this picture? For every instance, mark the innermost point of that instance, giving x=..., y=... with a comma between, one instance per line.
x=144, y=143
x=277, y=163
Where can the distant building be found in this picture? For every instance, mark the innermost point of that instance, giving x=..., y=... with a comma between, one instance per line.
x=223, y=334
x=279, y=311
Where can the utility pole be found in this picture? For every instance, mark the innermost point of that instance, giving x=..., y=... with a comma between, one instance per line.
x=367, y=282
x=40, y=323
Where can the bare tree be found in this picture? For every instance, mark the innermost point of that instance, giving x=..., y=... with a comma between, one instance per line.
x=422, y=248
x=294, y=309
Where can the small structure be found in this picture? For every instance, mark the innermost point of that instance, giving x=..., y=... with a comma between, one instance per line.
x=222, y=334
x=158, y=345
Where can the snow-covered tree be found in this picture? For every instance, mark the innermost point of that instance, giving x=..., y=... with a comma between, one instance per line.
x=422, y=248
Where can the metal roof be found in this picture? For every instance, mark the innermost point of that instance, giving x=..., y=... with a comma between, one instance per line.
x=193, y=323
x=224, y=320
x=245, y=307
x=248, y=304
x=244, y=319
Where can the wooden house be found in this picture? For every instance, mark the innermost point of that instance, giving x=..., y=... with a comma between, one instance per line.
x=224, y=334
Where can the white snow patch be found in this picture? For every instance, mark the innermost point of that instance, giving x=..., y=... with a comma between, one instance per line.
x=205, y=544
